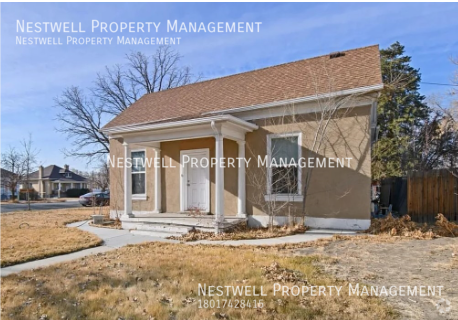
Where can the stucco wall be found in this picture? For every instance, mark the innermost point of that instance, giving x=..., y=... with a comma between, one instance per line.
x=170, y=175
x=333, y=193
x=117, y=180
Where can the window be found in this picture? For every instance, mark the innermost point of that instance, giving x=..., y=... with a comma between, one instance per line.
x=138, y=172
x=284, y=172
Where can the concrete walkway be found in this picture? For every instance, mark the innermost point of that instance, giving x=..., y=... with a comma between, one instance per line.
x=115, y=238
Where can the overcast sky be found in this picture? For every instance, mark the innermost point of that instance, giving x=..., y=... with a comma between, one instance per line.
x=31, y=76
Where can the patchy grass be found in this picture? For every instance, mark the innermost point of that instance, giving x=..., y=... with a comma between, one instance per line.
x=32, y=235
x=160, y=281
x=242, y=232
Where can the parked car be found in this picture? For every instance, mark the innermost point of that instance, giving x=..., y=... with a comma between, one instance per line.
x=95, y=198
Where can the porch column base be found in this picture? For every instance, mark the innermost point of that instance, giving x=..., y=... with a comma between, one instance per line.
x=241, y=215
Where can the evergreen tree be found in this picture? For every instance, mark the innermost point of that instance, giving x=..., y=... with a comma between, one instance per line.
x=401, y=112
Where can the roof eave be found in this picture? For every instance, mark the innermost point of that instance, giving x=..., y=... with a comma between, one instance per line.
x=356, y=91
x=181, y=123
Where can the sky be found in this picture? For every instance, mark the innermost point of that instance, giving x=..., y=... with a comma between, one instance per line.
x=33, y=75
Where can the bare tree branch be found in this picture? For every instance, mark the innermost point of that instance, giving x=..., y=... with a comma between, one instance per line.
x=81, y=120
x=81, y=117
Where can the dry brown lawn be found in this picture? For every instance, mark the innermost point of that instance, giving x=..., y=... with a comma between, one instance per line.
x=32, y=235
x=160, y=281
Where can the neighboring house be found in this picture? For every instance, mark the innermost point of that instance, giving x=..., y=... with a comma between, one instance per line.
x=5, y=186
x=50, y=180
x=231, y=117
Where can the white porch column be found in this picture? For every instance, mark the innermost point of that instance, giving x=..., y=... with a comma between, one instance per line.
x=241, y=212
x=127, y=183
x=219, y=182
x=58, y=192
x=158, y=181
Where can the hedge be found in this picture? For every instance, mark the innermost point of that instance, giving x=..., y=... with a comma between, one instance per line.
x=33, y=195
x=75, y=193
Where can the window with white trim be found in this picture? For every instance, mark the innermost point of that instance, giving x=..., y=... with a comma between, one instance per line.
x=138, y=173
x=284, y=171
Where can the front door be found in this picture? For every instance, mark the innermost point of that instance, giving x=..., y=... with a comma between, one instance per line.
x=195, y=180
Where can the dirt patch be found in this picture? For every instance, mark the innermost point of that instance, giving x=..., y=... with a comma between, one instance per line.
x=397, y=263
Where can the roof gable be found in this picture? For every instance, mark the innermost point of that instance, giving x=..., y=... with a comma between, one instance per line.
x=54, y=172
x=355, y=68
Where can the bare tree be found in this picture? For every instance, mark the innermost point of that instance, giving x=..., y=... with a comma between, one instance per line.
x=100, y=178
x=29, y=160
x=81, y=117
x=279, y=177
x=13, y=161
x=435, y=145
x=120, y=86
x=329, y=110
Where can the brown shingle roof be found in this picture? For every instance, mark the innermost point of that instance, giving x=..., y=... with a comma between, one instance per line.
x=357, y=68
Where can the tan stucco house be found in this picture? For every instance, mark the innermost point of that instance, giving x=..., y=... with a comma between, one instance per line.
x=54, y=181
x=248, y=115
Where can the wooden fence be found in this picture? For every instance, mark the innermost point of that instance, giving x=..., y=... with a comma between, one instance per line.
x=430, y=193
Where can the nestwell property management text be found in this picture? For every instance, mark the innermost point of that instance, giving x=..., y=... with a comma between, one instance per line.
x=102, y=28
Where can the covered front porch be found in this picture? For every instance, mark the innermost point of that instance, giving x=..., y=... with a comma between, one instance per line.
x=175, y=193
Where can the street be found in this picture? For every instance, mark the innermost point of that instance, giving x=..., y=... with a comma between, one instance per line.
x=5, y=208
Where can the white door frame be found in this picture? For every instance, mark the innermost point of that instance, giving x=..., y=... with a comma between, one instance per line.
x=184, y=177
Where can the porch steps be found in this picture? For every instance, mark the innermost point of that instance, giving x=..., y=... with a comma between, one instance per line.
x=159, y=230
x=153, y=234
x=166, y=225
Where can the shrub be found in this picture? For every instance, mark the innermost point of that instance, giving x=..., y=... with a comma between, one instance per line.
x=33, y=195
x=75, y=193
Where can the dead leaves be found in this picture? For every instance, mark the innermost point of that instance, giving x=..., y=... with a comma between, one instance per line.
x=165, y=300
x=445, y=227
x=405, y=227
x=188, y=300
x=219, y=315
x=242, y=232
x=275, y=273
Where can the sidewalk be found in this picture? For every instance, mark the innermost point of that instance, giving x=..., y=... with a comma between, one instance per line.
x=116, y=238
